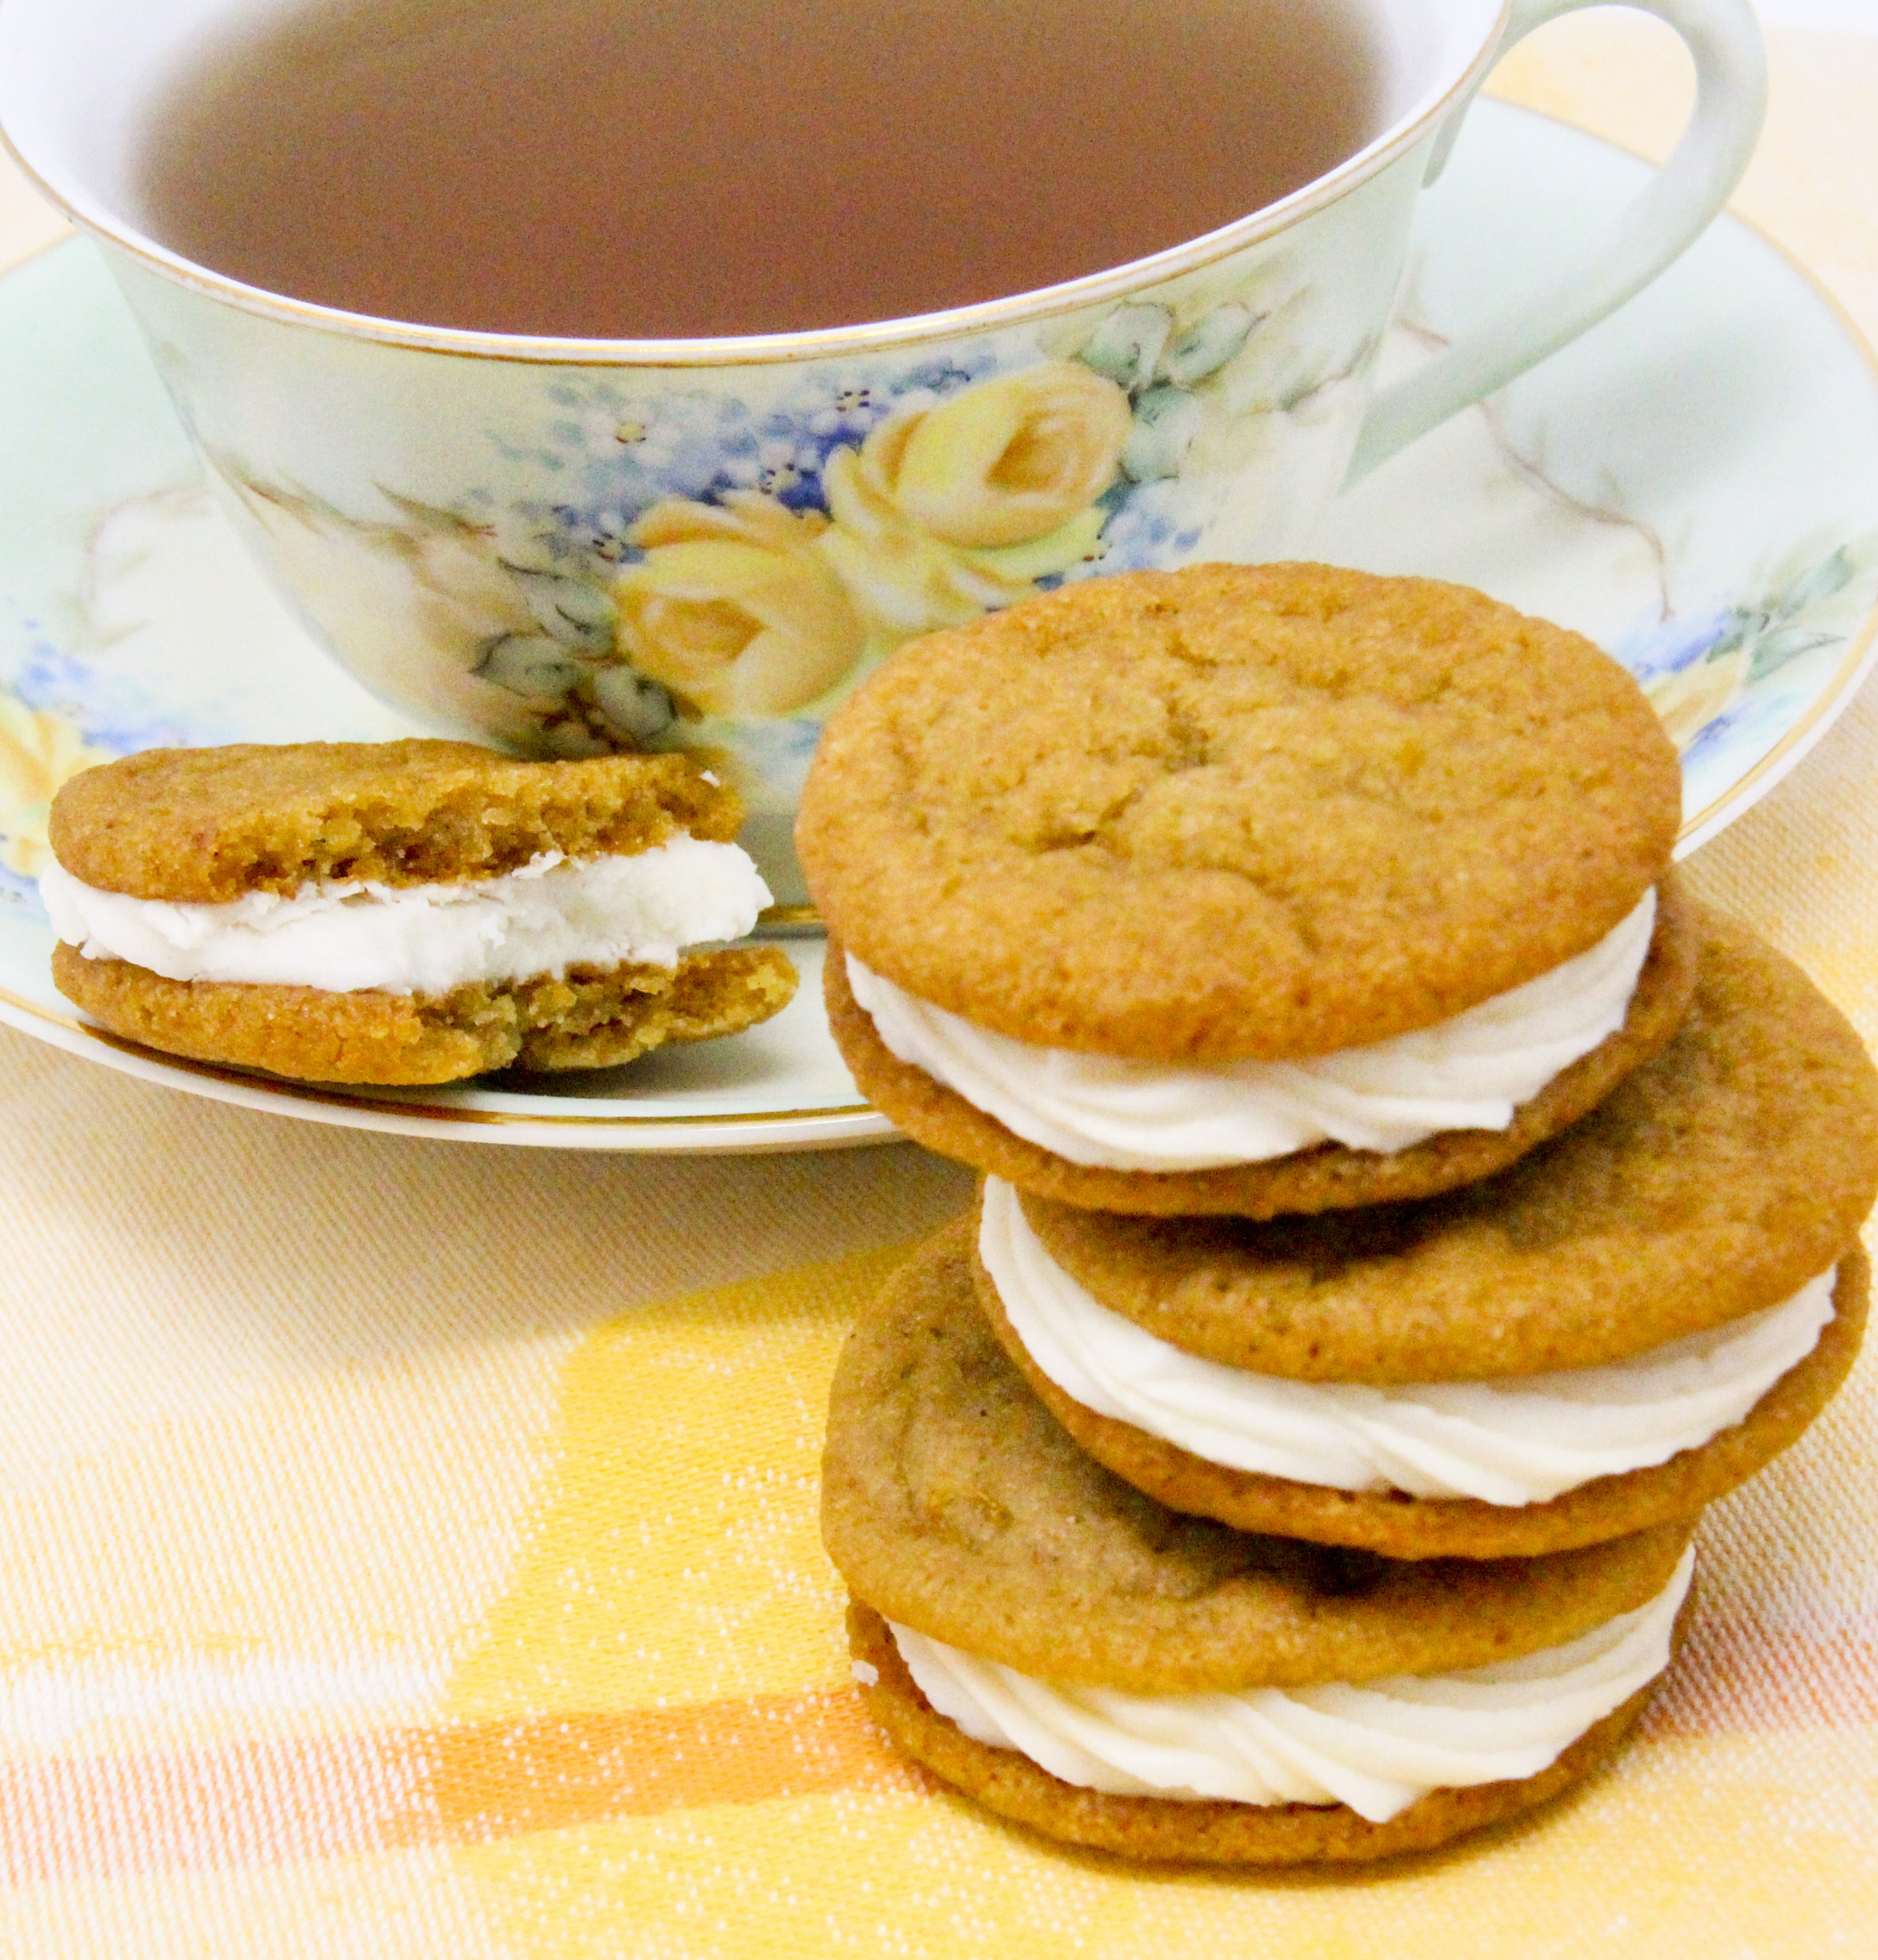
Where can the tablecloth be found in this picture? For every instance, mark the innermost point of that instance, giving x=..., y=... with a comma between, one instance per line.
x=408, y=1548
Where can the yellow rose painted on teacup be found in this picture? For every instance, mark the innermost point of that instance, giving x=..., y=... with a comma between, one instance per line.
x=948, y=511
x=733, y=609
x=908, y=582
x=1007, y=461
x=40, y=752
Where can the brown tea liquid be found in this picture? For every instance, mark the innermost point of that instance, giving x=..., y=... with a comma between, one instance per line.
x=654, y=168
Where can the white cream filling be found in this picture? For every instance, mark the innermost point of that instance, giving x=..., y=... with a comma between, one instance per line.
x=1516, y=1439
x=1469, y=1073
x=1375, y=1745
x=344, y=937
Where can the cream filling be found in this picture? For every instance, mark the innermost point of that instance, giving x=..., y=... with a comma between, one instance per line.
x=1375, y=1745
x=1469, y=1073
x=1516, y=1439
x=344, y=937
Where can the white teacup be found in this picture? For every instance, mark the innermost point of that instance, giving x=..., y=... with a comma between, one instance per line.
x=570, y=545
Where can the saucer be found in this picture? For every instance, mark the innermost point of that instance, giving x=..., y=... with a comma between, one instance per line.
x=1694, y=484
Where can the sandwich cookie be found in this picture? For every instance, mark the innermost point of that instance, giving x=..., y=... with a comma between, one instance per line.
x=1059, y=1646
x=406, y=912
x=1622, y=1326
x=1246, y=890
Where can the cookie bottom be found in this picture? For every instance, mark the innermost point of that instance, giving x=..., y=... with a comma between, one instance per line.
x=1326, y=1177
x=1402, y=1526
x=1158, y=1829
x=589, y=1020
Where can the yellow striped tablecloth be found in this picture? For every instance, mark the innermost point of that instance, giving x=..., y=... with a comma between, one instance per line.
x=409, y=1548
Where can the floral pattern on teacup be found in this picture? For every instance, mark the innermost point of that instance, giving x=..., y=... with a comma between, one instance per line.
x=1729, y=676
x=721, y=565
x=431, y=610
x=716, y=562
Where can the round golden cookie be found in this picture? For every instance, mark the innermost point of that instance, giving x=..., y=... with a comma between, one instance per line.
x=1327, y=1177
x=205, y=826
x=1400, y=1525
x=1208, y=1833
x=1714, y=1180
x=1236, y=812
x=580, y=1020
x=952, y=1502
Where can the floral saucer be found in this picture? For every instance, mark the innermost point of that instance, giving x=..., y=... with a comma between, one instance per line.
x=1694, y=484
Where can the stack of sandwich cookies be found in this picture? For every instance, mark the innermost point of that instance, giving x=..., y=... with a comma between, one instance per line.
x=406, y=912
x=1247, y=890
x=1076, y=1656
x=1383, y=1160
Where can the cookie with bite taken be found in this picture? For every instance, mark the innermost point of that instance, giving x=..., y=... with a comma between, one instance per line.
x=405, y=913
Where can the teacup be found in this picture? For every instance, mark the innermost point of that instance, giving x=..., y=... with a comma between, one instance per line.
x=572, y=546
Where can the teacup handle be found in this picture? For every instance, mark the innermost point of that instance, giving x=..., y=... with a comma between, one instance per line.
x=1653, y=229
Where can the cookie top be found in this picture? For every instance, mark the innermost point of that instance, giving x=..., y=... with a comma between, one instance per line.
x=953, y=1503
x=206, y=825
x=1714, y=1180
x=1236, y=812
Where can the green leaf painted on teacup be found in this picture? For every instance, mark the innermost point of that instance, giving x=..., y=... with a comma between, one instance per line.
x=1166, y=421
x=1830, y=576
x=633, y=704
x=534, y=665
x=1772, y=652
x=1208, y=344
x=570, y=611
x=1127, y=346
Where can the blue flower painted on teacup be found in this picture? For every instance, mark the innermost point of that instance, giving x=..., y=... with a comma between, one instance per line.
x=617, y=454
x=606, y=449
x=1699, y=669
x=853, y=405
x=1148, y=526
